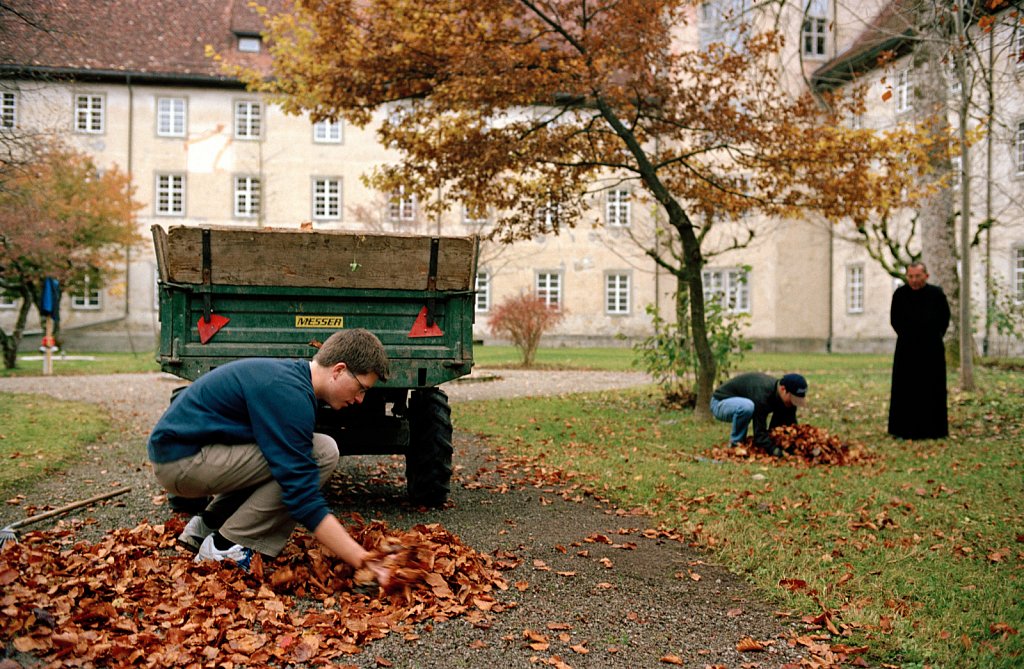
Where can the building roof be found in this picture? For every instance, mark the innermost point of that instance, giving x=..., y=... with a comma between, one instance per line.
x=158, y=40
x=891, y=30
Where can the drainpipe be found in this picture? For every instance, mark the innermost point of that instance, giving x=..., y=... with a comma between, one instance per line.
x=831, y=285
x=131, y=179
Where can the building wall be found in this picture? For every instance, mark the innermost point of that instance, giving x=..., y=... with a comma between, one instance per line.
x=798, y=269
x=869, y=329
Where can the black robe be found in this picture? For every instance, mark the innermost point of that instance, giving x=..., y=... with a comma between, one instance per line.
x=917, y=406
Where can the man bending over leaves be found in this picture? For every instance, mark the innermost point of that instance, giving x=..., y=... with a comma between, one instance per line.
x=243, y=433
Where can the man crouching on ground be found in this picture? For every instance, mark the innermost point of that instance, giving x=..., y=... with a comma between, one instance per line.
x=243, y=433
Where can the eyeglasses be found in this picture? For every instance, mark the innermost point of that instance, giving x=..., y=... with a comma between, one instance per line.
x=362, y=388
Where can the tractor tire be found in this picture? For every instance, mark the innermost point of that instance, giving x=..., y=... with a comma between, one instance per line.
x=428, y=462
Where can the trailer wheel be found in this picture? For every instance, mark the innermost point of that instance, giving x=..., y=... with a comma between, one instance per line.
x=428, y=462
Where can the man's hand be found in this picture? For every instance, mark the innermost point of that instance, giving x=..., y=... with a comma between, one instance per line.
x=372, y=574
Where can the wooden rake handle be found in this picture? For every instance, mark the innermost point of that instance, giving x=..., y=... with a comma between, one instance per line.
x=67, y=507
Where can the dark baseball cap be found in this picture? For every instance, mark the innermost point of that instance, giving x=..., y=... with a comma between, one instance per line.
x=796, y=386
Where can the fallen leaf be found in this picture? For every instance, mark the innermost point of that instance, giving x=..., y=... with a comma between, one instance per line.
x=749, y=645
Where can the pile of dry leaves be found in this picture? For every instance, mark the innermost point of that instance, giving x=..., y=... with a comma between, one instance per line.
x=131, y=598
x=804, y=444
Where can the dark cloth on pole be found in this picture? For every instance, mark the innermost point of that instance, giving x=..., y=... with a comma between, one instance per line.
x=49, y=299
x=917, y=405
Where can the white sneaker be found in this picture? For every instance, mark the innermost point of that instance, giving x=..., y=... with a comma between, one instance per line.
x=194, y=533
x=240, y=555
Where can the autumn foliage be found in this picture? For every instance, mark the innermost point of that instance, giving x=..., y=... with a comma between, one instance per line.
x=131, y=599
x=524, y=319
x=523, y=108
x=60, y=217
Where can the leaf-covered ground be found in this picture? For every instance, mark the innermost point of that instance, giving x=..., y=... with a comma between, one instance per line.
x=566, y=581
x=134, y=599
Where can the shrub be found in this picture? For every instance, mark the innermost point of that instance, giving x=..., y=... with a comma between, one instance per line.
x=524, y=319
x=669, y=357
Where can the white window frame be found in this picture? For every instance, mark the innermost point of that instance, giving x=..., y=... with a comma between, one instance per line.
x=618, y=208
x=250, y=43
x=87, y=298
x=814, y=34
x=469, y=219
x=855, y=289
x=248, y=120
x=90, y=116
x=548, y=288
x=720, y=22
x=247, y=196
x=328, y=132
x=482, y=303
x=902, y=91
x=1017, y=274
x=400, y=207
x=730, y=286
x=171, y=117
x=8, y=109
x=617, y=293
x=1019, y=148
x=169, y=194
x=327, y=198
x=548, y=216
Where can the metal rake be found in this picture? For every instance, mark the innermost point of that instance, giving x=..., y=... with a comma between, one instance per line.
x=9, y=533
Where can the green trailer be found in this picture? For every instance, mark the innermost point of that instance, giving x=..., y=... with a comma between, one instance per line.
x=239, y=292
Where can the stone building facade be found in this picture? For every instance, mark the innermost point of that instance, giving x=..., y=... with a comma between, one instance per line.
x=203, y=150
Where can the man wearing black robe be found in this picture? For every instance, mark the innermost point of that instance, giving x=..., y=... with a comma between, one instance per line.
x=920, y=316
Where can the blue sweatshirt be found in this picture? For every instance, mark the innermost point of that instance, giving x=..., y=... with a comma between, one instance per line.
x=262, y=401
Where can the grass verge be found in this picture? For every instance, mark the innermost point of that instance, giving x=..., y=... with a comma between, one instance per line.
x=101, y=363
x=508, y=357
x=917, y=555
x=40, y=435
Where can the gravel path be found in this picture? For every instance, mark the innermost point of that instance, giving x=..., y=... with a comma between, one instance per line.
x=617, y=607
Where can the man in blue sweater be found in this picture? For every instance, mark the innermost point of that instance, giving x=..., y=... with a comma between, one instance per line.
x=749, y=398
x=243, y=434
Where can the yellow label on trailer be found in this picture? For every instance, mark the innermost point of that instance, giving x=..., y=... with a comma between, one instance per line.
x=319, y=321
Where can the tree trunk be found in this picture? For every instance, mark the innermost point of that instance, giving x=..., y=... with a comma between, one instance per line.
x=966, y=333
x=12, y=341
x=693, y=261
x=937, y=212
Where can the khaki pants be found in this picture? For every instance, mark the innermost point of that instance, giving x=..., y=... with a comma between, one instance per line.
x=247, y=503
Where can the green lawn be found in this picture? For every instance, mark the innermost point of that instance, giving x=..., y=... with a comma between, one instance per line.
x=615, y=359
x=101, y=363
x=40, y=434
x=917, y=554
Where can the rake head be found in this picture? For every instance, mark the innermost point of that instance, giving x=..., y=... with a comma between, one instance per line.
x=8, y=535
